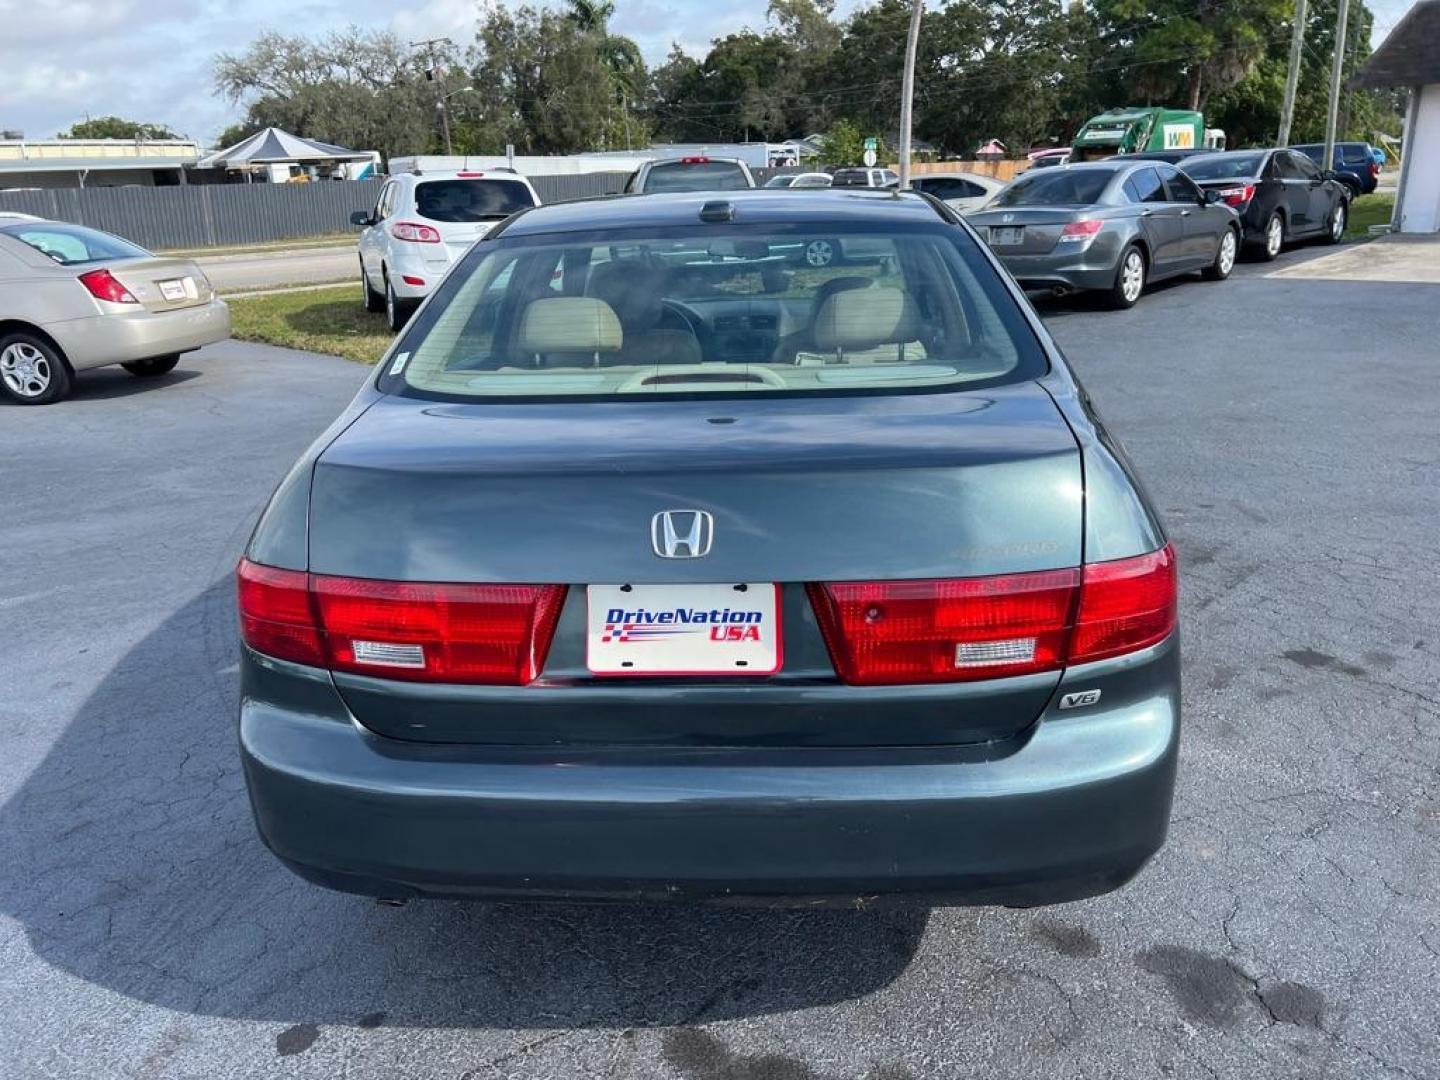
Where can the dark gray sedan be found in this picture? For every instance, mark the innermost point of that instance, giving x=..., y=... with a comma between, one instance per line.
x=651, y=566
x=1110, y=226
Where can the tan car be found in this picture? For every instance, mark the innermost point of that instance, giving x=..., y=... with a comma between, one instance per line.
x=73, y=298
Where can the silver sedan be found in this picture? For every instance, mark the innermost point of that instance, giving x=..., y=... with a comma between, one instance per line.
x=73, y=298
x=1111, y=226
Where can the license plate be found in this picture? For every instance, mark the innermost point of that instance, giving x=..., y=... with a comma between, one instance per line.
x=1009, y=234
x=731, y=629
x=177, y=289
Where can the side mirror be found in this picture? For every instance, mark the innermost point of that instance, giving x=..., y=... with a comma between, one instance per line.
x=1328, y=174
x=361, y=218
x=1212, y=197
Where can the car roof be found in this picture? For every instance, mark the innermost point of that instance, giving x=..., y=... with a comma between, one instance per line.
x=500, y=173
x=751, y=206
x=694, y=159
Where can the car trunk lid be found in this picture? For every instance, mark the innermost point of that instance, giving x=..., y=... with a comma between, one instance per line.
x=163, y=284
x=801, y=490
x=1026, y=230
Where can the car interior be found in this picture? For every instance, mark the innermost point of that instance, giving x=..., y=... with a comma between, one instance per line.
x=726, y=314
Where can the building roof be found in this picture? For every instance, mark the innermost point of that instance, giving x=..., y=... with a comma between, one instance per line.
x=80, y=164
x=758, y=205
x=1410, y=54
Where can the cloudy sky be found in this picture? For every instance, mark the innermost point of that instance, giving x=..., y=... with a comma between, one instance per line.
x=151, y=59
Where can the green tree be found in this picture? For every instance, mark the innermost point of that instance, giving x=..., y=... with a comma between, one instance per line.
x=843, y=145
x=116, y=127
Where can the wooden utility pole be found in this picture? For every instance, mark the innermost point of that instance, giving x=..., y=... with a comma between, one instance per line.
x=907, y=91
x=437, y=76
x=1337, y=68
x=1292, y=75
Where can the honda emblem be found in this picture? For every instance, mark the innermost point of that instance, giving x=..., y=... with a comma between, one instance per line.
x=682, y=534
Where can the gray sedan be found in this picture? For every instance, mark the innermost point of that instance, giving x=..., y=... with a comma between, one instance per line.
x=73, y=298
x=1111, y=226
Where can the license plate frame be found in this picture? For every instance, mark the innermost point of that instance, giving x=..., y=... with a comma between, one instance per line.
x=749, y=622
x=1007, y=235
x=174, y=289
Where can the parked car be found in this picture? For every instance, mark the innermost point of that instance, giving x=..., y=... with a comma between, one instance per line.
x=799, y=180
x=625, y=578
x=421, y=225
x=1045, y=159
x=1280, y=196
x=962, y=191
x=16, y=215
x=1111, y=226
x=694, y=173
x=74, y=298
x=864, y=178
x=1354, y=164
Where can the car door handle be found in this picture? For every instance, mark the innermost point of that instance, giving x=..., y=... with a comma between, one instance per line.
x=1184, y=213
x=1146, y=213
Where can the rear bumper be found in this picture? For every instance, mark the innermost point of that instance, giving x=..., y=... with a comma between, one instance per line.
x=97, y=340
x=1075, y=811
x=1093, y=268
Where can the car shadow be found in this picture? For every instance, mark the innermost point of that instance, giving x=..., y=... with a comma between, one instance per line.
x=101, y=384
x=130, y=858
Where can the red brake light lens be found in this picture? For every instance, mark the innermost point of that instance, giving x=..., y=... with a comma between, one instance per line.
x=276, y=615
x=103, y=285
x=1237, y=196
x=416, y=631
x=694, y=161
x=469, y=175
x=414, y=232
x=956, y=630
x=1126, y=605
x=1084, y=229
x=946, y=630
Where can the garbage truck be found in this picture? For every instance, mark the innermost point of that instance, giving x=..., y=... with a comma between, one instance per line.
x=1142, y=129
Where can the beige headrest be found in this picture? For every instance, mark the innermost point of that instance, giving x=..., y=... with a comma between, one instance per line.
x=569, y=324
x=864, y=318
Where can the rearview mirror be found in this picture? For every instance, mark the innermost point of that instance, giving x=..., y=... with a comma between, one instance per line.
x=361, y=218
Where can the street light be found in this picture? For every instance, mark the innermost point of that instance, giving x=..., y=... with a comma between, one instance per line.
x=907, y=91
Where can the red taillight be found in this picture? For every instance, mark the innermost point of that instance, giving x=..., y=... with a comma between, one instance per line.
x=957, y=630
x=103, y=285
x=276, y=615
x=946, y=630
x=1084, y=229
x=411, y=279
x=469, y=175
x=1125, y=605
x=417, y=631
x=694, y=161
x=1374, y=169
x=1237, y=196
x=414, y=233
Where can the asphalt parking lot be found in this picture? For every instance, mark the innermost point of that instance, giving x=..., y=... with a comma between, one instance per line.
x=1286, y=428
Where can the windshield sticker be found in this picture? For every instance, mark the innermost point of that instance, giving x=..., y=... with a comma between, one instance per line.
x=398, y=364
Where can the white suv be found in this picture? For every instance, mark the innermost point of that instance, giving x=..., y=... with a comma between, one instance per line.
x=424, y=222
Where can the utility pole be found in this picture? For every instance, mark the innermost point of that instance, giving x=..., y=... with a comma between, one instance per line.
x=1337, y=68
x=907, y=91
x=1292, y=75
x=436, y=74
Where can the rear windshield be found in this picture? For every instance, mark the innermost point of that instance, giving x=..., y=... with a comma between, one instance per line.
x=696, y=176
x=1219, y=168
x=72, y=245
x=850, y=178
x=1063, y=188
x=730, y=310
x=779, y=181
x=470, y=199
x=1355, y=153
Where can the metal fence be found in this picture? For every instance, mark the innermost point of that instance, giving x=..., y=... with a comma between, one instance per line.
x=212, y=215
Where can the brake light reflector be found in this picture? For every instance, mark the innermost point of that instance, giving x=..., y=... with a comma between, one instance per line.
x=1237, y=196
x=411, y=279
x=103, y=285
x=1125, y=605
x=955, y=630
x=276, y=616
x=414, y=233
x=1084, y=229
x=417, y=631
x=943, y=630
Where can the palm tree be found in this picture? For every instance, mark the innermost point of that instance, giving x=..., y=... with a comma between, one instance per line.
x=591, y=16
